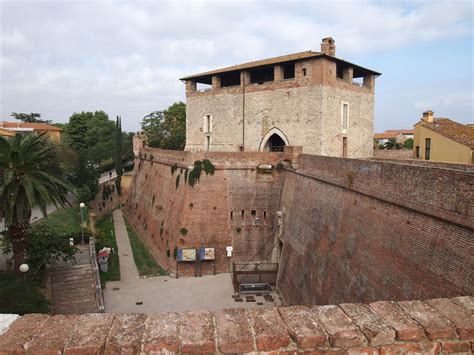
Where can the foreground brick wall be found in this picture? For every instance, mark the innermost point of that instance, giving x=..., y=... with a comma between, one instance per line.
x=362, y=231
x=431, y=327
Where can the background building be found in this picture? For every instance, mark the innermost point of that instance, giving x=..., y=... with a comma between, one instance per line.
x=54, y=133
x=309, y=99
x=443, y=140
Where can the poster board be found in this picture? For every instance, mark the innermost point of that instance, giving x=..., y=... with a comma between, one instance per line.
x=207, y=254
x=186, y=255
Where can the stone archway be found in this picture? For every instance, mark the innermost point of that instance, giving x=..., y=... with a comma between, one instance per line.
x=274, y=141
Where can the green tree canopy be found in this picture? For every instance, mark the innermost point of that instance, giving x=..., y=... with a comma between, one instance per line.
x=33, y=117
x=91, y=134
x=166, y=129
x=27, y=180
x=408, y=144
x=392, y=143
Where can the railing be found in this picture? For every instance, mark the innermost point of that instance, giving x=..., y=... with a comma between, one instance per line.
x=95, y=272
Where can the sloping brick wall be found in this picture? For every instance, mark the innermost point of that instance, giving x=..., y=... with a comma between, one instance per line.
x=430, y=327
x=217, y=212
x=359, y=230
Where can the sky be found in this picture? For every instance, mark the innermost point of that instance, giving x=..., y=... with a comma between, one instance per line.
x=126, y=57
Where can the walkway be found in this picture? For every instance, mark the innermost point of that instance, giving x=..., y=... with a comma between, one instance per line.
x=72, y=286
x=161, y=294
x=128, y=269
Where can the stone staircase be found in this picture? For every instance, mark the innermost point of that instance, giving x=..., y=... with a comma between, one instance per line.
x=73, y=289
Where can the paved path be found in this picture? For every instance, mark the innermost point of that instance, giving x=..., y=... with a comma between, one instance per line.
x=128, y=269
x=160, y=294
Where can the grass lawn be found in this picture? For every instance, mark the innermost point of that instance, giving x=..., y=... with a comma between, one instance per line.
x=63, y=221
x=106, y=238
x=146, y=264
x=18, y=296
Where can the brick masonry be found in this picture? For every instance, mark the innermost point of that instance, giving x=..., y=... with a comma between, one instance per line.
x=219, y=211
x=306, y=110
x=432, y=327
x=358, y=230
x=353, y=230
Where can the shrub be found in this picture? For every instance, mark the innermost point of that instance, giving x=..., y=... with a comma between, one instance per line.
x=20, y=297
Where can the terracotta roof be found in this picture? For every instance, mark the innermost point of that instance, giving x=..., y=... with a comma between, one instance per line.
x=5, y=133
x=402, y=131
x=458, y=132
x=385, y=135
x=270, y=61
x=392, y=133
x=34, y=126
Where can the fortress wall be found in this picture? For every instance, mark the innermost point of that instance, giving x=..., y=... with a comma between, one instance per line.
x=358, y=231
x=160, y=210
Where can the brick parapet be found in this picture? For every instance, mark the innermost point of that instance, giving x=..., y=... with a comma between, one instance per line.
x=438, y=192
x=432, y=327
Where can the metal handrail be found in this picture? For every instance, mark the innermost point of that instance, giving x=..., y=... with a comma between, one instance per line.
x=95, y=272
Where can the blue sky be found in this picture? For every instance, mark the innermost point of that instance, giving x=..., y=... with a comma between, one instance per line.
x=125, y=58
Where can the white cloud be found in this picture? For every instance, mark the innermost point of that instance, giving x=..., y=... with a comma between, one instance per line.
x=126, y=57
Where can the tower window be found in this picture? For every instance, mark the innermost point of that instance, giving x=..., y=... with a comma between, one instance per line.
x=344, y=116
x=289, y=71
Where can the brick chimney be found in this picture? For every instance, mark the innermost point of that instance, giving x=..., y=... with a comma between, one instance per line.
x=428, y=116
x=328, y=46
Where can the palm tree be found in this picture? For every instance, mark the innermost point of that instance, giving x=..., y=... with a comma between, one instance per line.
x=26, y=180
x=392, y=143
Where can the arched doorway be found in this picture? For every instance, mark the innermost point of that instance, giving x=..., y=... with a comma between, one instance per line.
x=274, y=141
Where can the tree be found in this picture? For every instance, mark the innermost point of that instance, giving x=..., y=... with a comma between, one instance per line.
x=91, y=136
x=166, y=129
x=44, y=247
x=392, y=143
x=118, y=152
x=29, y=117
x=26, y=181
x=408, y=144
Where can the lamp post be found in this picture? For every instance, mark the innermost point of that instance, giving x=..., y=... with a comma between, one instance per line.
x=81, y=206
x=24, y=269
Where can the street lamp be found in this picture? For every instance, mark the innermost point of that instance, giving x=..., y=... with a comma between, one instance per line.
x=24, y=269
x=81, y=206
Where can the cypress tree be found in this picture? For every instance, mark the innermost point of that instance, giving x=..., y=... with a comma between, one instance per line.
x=118, y=152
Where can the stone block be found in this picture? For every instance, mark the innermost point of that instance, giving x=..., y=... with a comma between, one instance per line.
x=89, y=334
x=374, y=328
x=197, y=332
x=162, y=333
x=234, y=332
x=342, y=332
x=436, y=327
x=303, y=327
x=125, y=336
x=270, y=331
x=459, y=316
x=406, y=328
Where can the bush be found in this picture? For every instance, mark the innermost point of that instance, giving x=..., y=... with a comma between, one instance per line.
x=44, y=247
x=20, y=296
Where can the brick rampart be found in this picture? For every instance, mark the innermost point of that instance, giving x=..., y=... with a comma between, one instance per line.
x=359, y=230
x=430, y=327
x=353, y=230
x=220, y=210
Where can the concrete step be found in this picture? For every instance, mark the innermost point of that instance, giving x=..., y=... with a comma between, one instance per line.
x=73, y=289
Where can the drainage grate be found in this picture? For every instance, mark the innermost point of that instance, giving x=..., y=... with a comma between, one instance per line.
x=138, y=303
x=116, y=289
